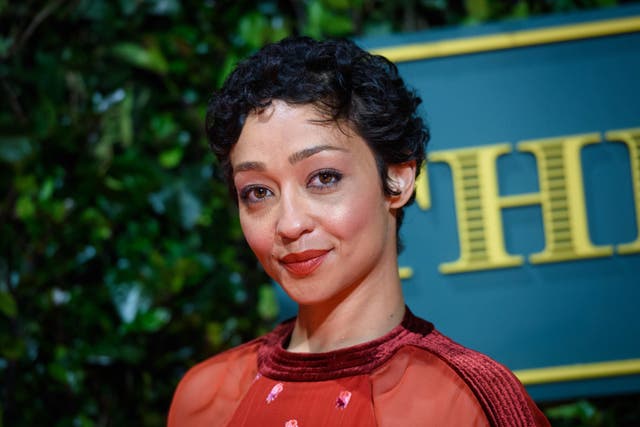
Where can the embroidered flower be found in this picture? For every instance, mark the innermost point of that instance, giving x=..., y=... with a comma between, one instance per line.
x=343, y=399
x=275, y=391
x=291, y=423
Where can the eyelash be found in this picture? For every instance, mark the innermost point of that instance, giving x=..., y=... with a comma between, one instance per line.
x=245, y=194
x=335, y=177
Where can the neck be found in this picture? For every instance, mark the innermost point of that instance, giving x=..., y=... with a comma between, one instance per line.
x=368, y=311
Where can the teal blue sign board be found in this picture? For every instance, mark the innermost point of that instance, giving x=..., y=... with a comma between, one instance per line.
x=552, y=108
x=525, y=244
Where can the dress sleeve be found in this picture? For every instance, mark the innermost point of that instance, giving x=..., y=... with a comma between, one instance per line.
x=210, y=392
x=501, y=395
x=416, y=388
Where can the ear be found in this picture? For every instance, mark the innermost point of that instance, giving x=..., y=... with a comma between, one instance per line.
x=402, y=178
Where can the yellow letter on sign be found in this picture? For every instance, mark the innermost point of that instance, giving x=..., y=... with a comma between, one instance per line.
x=478, y=208
x=631, y=138
x=562, y=198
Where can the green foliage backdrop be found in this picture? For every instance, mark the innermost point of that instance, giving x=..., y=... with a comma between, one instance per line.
x=121, y=259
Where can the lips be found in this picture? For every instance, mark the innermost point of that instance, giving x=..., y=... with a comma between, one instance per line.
x=304, y=263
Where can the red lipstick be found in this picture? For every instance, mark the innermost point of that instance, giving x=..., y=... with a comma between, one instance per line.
x=304, y=263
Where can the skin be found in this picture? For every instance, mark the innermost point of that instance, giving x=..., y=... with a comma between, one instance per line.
x=313, y=211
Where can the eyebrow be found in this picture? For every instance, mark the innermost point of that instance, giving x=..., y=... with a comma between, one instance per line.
x=308, y=152
x=249, y=166
x=293, y=159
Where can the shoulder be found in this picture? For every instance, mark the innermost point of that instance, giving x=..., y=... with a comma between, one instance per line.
x=502, y=397
x=212, y=389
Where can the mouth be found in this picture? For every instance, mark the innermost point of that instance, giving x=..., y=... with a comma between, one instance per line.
x=304, y=263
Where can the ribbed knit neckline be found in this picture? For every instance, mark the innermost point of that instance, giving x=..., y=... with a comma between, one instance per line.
x=276, y=362
x=497, y=390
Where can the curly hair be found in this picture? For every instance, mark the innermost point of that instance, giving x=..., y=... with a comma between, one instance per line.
x=343, y=82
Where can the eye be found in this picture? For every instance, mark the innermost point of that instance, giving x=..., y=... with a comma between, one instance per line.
x=325, y=179
x=255, y=194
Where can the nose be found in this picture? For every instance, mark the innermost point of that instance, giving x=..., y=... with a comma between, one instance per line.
x=294, y=218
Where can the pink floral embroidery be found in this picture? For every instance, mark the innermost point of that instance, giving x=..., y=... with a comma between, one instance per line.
x=291, y=423
x=343, y=399
x=275, y=391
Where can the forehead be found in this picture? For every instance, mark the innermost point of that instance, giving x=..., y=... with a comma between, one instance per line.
x=283, y=129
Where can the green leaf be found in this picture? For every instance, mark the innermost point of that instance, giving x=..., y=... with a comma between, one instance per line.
x=126, y=119
x=46, y=190
x=479, y=10
x=150, y=59
x=214, y=334
x=153, y=319
x=95, y=10
x=267, y=302
x=5, y=42
x=580, y=410
x=163, y=126
x=58, y=372
x=8, y=305
x=46, y=117
x=322, y=21
x=25, y=208
x=341, y=4
x=521, y=10
x=12, y=348
x=165, y=7
x=252, y=29
x=315, y=14
x=169, y=159
x=82, y=421
x=337, y=25
x=190, y=207
x=14, y=148
x=129, y=299
x=129, y=7
x=230, y=61
x=113, y=183
x=103, y=150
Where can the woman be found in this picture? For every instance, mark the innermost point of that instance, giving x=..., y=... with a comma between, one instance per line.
x=321, y=144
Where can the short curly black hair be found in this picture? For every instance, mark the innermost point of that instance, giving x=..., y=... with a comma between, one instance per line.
x=342, y=81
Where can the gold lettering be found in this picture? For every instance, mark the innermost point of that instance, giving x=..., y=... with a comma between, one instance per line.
x=423, y=195
x=631, y=138
x=405, y=272
x=562, y=199
x=478, y=208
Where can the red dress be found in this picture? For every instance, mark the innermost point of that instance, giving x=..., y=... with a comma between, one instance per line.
x=413, y=376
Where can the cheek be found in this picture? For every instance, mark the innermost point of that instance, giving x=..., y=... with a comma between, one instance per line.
x=356, y=216
x=257, y=236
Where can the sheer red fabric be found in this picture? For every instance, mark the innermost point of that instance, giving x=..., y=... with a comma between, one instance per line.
x=411, y=376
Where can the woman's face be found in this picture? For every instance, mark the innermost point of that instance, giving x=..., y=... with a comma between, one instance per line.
x=311, y=203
